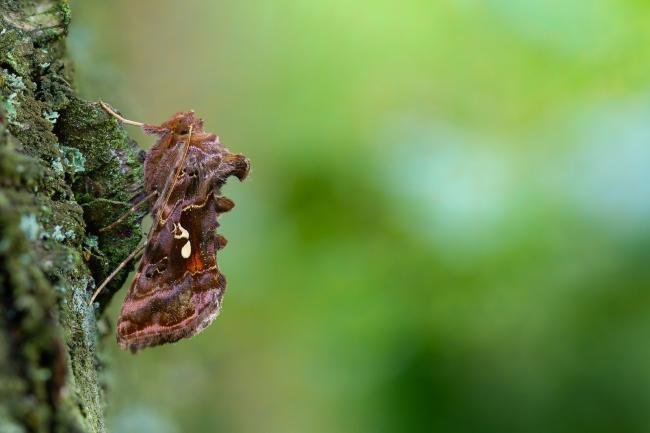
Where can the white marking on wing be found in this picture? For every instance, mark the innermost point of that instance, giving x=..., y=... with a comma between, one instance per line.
x=186, y=250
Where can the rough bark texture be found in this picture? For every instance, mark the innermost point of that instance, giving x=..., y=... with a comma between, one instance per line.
x=66, y=169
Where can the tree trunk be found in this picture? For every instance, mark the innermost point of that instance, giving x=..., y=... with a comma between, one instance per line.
x=66, y=169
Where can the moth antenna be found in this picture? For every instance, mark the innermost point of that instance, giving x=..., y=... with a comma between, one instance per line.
x=118, y=269
x=128, y=212
x=178, y=171
x=110, y=111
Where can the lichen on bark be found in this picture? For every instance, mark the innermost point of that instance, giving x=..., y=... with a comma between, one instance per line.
x=66, y=169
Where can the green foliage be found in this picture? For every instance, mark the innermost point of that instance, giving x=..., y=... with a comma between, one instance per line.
x=445, y=227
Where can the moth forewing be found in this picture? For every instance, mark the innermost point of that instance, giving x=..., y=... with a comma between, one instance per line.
x=178, y=287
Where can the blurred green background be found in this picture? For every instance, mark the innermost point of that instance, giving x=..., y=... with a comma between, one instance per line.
x=447, y=224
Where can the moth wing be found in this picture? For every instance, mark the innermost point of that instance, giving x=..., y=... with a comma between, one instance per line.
x=178, y=287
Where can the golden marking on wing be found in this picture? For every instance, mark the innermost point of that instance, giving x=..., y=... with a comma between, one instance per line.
x=197, y=206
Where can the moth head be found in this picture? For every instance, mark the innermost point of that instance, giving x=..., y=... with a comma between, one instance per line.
x=178, y=124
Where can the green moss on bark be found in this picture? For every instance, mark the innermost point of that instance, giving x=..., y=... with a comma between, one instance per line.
x=112, y=178
x=66, y=169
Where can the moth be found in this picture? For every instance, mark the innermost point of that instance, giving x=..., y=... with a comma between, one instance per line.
x=178, y=288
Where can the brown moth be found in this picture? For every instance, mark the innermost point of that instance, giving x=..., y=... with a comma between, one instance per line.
x=177, y=289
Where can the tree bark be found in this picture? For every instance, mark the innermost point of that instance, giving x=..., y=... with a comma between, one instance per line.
x=66, y=169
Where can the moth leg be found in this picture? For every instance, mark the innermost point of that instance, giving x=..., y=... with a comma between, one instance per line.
x=110, y=111
x=129, y=212
x=136, y=252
